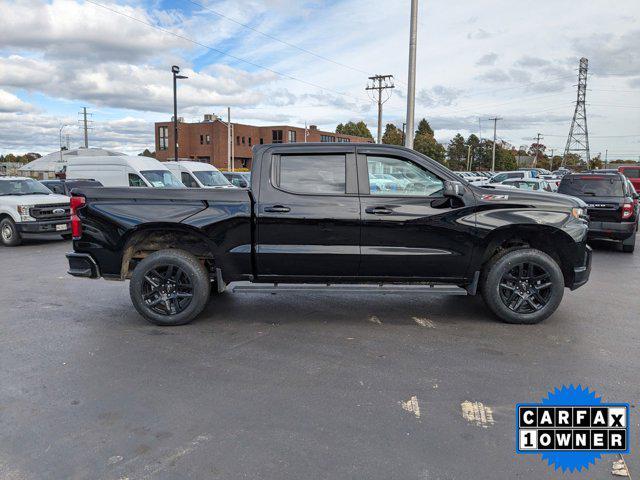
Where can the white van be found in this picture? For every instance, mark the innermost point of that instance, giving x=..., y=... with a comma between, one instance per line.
x=198, y=174
x=123, y=171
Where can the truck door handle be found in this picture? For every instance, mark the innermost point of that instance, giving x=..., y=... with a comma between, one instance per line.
x=379, y=210
x=277, y=209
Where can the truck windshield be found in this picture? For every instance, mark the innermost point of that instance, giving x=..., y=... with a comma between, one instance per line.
x=211, y=178
x=161, y=179
x=27, y=186
x=591, y=186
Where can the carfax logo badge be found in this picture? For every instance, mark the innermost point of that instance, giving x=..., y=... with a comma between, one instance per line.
x=572, y=428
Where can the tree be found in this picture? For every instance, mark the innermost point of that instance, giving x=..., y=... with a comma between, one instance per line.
x=424, y=128
x=457, y=153
x=572, y=160
x=147, y=153
x=392, y=135
x=596, y=162
x=359, y=129
x=427, y=145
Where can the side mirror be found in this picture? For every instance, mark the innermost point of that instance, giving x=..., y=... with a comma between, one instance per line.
x=453, y=189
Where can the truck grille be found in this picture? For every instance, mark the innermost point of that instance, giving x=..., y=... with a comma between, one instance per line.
x=50, y=212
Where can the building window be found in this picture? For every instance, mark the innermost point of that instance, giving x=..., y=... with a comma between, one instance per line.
x=243, y=140
x=238, y=140
x=163, y=135
x=327, y=138
x=276, y=136
x=249, y=141
x=208, y=139
x=292, y=136
x=201, y=139
x=261, y=141
x=340, y=139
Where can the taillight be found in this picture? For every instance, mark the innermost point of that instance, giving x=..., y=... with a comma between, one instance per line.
x=627, y=211
x=76, y=224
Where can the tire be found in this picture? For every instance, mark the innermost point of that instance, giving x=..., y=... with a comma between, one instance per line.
x=499, y=289
x=160, y=284
x=629, y=245
x=9, y=234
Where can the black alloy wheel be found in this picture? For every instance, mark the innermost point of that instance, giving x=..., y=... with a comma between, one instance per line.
x=167, y=290
x=526, y=288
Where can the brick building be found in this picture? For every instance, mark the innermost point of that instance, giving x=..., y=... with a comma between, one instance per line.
x=206, y=141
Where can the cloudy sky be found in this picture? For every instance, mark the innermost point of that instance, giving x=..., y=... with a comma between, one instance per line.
x=288, y=61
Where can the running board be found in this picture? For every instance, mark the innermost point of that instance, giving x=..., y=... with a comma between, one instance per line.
x=248, y=287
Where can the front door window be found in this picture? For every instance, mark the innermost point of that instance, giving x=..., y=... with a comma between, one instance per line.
x=398, y=177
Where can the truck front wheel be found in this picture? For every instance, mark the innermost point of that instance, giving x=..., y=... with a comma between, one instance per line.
x=9, y=234
x=169, y=287
x=522, y=286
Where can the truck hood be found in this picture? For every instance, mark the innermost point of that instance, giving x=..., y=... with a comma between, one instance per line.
x=532, y=199
x=15, y=200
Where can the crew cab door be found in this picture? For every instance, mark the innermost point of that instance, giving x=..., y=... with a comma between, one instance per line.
x=409, y=229
x=308, y=213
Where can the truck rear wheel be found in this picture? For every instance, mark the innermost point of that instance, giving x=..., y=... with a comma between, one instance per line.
x=9, y=234
x=169, y=287
x=522, y=286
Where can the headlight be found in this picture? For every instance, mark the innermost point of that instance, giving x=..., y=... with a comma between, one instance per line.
x=579, y=213
x=23, y=210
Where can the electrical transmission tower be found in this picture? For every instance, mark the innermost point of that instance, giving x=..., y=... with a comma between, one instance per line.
x=380, y=83
x=578, y=140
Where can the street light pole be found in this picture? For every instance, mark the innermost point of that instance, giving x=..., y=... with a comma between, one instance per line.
x=411, y=90
x=60, y=137
x=175, y=70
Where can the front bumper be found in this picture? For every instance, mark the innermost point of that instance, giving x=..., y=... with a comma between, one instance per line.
x=82, y=265
x=581, y=273
x=612, y=230
x=45, y=226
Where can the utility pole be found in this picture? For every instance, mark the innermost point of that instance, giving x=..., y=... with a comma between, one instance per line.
x=379, y=83
x=86, y=130
x=411, y=77
x=305, y=132
x=606, y=158
x=551, y=160
x=233, y=149
x=578, y=140
x=493, y=155
x=229, y=138
x=468, y=157
x=535, y=160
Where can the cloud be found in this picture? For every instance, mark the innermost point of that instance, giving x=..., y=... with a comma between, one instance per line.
x=437, y=96
x=610, y=53
x=528, y=61
x=10, y=103
x=487, y=59
x=479, y=34
x=495, y=75
x=68, y=29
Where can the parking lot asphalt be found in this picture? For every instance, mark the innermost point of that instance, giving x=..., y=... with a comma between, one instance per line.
x=294, y=386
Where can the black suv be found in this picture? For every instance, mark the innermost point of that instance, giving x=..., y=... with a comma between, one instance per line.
x=611, y=205
x=64, y=186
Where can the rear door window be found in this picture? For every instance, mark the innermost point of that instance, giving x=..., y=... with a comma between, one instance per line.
x=312, y=174
x=188, y=180
x=587, y=186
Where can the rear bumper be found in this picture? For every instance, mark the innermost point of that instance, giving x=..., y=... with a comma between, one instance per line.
x=612, y=230
x=82, y=265
x=42, y=226
x=581, y=273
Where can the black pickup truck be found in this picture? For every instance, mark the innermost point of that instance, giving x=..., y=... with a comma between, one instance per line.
x=345, y=217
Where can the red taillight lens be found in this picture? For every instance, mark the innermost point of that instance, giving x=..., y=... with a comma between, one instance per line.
x=76, y=225
x=627, y=211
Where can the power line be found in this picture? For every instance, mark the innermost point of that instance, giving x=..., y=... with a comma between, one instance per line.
x=222, y=52
x=273, y=37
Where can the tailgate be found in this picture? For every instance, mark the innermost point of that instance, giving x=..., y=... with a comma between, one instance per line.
x=604, y=209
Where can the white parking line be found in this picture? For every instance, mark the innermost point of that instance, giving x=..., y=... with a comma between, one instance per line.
x=478, y=413
x=412, y=405
x=424, y=322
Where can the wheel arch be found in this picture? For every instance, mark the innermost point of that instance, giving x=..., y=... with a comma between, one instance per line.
x=552, y=240
x=152, y=237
